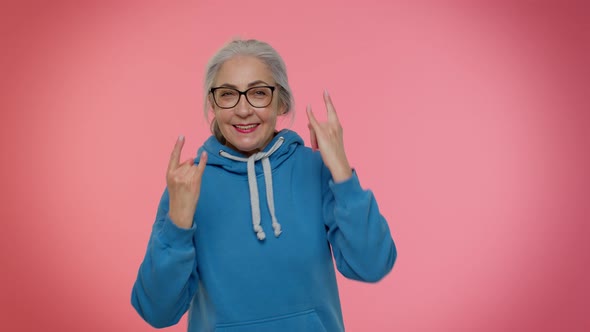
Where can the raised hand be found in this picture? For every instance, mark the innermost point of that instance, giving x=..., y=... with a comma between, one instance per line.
x=184, y=185
x=327, y=137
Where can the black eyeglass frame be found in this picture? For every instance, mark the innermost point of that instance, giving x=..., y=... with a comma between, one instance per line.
x=240, y=93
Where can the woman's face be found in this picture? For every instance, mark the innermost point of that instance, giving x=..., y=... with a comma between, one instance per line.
x=246, y=128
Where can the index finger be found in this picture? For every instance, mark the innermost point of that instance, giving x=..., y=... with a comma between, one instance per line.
x=175, y=155
x=332, y=116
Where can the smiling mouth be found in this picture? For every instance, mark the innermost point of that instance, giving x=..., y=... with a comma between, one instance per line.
x=246, y=128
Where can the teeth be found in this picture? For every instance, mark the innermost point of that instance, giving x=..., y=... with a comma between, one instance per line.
x=245, y=127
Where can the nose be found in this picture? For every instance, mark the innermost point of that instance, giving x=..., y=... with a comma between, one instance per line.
x=243, y=108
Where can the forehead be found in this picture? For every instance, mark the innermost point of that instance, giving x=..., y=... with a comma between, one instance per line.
x=242, y=70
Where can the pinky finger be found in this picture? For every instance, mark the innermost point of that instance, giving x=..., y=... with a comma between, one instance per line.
x=202, y=162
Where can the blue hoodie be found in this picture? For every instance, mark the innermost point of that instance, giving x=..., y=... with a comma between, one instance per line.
x=259, y=254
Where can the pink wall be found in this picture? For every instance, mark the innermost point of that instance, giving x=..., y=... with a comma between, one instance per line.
x=469, y=122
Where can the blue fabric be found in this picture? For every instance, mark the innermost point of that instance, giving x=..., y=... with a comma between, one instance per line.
x=228, y=280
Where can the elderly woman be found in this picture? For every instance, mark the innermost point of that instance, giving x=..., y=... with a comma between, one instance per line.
x=247, y=233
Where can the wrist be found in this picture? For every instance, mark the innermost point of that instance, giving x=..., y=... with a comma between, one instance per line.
x=181, y=221
x=341, y=174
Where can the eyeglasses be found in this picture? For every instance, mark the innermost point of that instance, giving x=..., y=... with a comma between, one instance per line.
x=258, y=96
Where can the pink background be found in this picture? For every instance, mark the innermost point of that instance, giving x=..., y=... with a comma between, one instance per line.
x=469, y=121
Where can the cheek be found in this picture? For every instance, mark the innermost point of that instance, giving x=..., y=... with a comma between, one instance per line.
x=272, y=114
x=222, y=117
x=270, y=117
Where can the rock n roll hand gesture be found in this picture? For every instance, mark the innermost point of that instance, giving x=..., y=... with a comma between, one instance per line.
x=184, y=185
x=327, y=137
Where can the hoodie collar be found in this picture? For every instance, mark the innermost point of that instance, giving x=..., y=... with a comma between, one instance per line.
x=275, y=153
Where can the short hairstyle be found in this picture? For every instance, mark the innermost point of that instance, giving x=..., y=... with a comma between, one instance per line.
x=263, y=52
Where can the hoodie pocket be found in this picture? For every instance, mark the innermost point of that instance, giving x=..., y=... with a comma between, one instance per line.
x=307, y=320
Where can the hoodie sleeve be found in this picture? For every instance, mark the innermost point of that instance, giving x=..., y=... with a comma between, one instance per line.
x=359, y=235
x=167, y=277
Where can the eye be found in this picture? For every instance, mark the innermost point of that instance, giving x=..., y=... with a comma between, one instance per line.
x=261, y=92
x=226, y=93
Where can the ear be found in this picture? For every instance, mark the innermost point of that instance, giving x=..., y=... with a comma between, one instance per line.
x=210, y=102
x=282, y=109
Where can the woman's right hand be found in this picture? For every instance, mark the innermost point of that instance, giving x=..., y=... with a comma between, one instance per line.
x=184, y=185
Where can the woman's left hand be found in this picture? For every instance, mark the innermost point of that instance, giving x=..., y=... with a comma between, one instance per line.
x=327, y=137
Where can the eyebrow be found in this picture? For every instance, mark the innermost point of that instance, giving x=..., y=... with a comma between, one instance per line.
x=251, y=84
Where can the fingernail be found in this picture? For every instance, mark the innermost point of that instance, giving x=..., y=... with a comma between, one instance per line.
x=326, y=93
x=181, y=137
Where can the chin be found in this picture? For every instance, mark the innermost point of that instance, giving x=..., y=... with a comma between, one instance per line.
x=244, y=148
x=247, y=149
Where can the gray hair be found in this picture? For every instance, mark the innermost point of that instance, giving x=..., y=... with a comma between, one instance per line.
x=263, y=52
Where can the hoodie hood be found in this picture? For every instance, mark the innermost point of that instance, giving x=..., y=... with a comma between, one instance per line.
x=280, y=148
x=291, y=140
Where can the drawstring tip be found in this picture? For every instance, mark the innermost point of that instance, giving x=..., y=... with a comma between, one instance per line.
x=277, y=228
x=261, y=236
